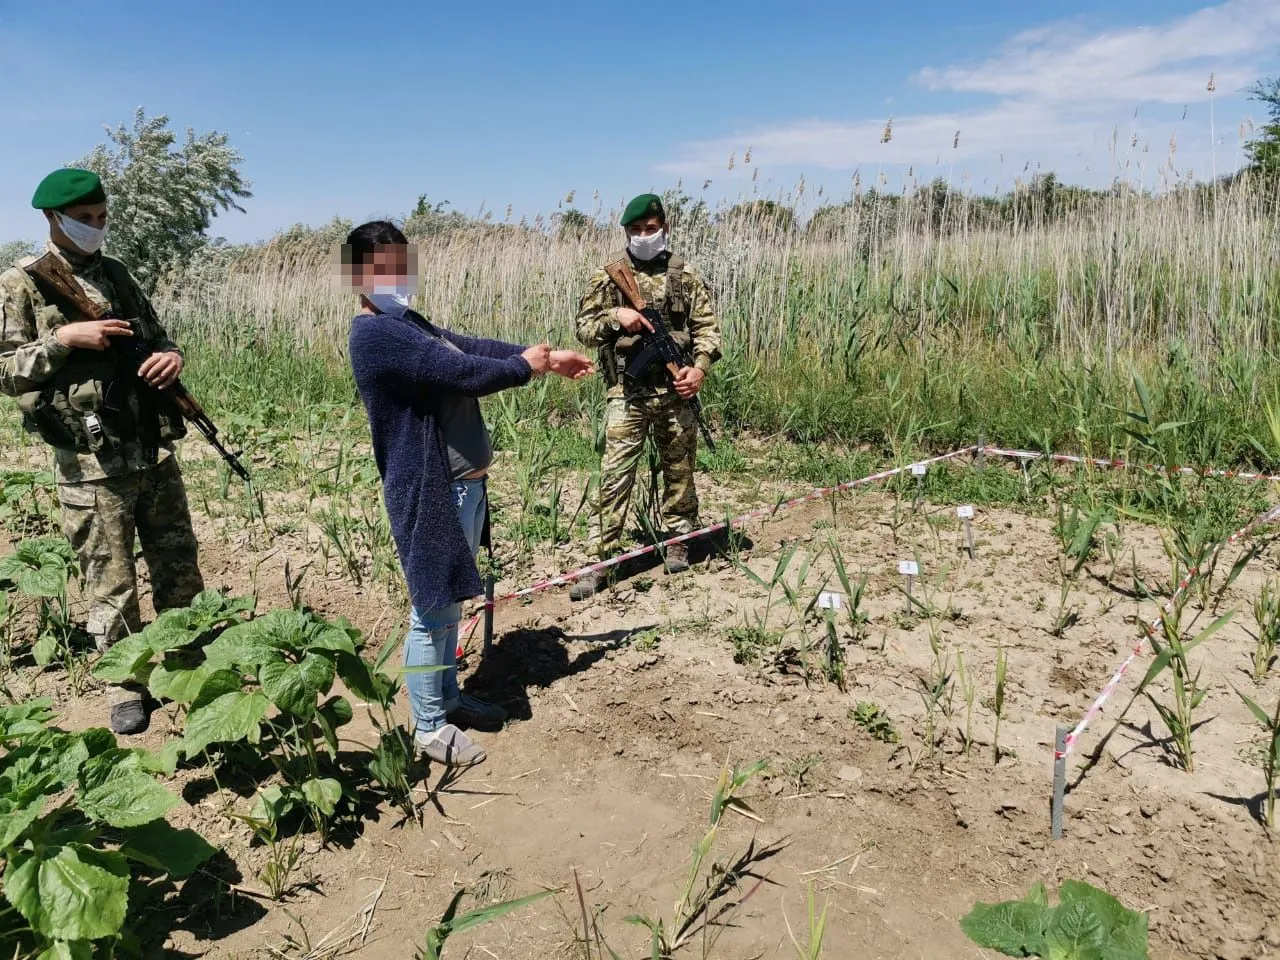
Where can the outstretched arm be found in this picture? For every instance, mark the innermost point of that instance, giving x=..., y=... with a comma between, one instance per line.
x=406, y=360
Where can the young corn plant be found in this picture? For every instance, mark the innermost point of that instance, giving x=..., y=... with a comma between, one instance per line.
x=937, y=691
x=282, y=854
x=969, y=690
x=1266, y=611
x=811, y=949
x=1076, y=534
x=452, y=923
x=755, y=635
x=1188, y=693
x=1113, y=544
x=708, y=899
x=1067, y=614
x=833, y=663
x=854, y=593
x=1192, y=547
x=1271, y=754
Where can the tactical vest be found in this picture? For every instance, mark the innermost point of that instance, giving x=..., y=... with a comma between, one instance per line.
x=616, y=353
x=95, y=400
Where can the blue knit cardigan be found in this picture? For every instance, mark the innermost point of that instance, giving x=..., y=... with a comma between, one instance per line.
x=402, y=369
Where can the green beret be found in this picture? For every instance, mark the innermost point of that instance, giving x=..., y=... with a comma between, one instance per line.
x=645, y=205
x=68, y=186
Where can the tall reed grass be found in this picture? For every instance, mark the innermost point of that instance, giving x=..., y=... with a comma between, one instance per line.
x=921, y=315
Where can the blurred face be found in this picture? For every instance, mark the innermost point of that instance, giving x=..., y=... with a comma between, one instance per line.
x=389, y=265
x=646, y=227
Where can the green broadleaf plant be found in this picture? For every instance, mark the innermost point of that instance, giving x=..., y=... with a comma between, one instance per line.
x=1087, y=924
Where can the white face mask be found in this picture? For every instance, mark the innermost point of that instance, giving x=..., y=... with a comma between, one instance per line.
x=87, y=238
x=646, y=248
x=392, y=298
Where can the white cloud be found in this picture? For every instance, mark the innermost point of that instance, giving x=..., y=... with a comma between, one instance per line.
x=1167, y=63
x=1058, y=96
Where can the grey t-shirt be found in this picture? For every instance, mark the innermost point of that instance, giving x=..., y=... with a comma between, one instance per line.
x=464, y=432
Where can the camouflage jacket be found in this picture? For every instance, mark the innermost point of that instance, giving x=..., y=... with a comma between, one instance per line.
x=30, y=353
x=597, y=320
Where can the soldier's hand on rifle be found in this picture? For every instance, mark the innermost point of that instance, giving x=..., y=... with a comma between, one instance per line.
x=92, y=334
x=633, y=321
x=569, y=363
x=539, y=358
x=160, y=370
x=689, y=381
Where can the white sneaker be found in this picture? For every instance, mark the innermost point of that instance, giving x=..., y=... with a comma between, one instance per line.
x=449, y=746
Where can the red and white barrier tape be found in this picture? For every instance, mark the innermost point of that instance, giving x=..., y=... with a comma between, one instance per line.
x=1149, y=629
x=820, y=492
x=816, y=494
x=1125, y=464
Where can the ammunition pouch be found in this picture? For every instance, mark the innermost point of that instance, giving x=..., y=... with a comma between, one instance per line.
x=96, y=402
x=607, y=358
x=48, y=415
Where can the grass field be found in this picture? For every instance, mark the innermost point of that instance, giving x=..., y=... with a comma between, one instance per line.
x=884, y=330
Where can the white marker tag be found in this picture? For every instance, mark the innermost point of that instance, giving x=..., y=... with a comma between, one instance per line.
x=909, y=568
x=919, y=469
x=828, y=600
x=964, y=513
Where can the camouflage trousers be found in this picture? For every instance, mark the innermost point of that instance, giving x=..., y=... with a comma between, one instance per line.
x=101, y=519
x=628, y=420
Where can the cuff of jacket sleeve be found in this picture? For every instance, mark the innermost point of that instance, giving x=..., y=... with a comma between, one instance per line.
x=55, y=348
x=702, y=362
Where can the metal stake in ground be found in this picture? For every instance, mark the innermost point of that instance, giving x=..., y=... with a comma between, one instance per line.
x=486, y=538
x=1059, y=781
x=909, y=569
x=965, y=513
x=488, y=613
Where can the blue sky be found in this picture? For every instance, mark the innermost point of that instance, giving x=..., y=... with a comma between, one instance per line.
x=354, y=109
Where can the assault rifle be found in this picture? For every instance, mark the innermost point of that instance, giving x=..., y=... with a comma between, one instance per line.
x=658, y=346
x=54, y=273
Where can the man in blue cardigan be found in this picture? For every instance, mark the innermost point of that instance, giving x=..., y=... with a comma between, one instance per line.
x=420, y=385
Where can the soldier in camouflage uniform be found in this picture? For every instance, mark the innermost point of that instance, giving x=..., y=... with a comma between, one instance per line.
x=112, y=439
x=651, y=405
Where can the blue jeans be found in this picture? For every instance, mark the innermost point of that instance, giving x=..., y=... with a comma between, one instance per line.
x=433, y=634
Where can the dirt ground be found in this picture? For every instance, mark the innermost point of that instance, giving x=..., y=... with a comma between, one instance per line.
x=624, y=709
